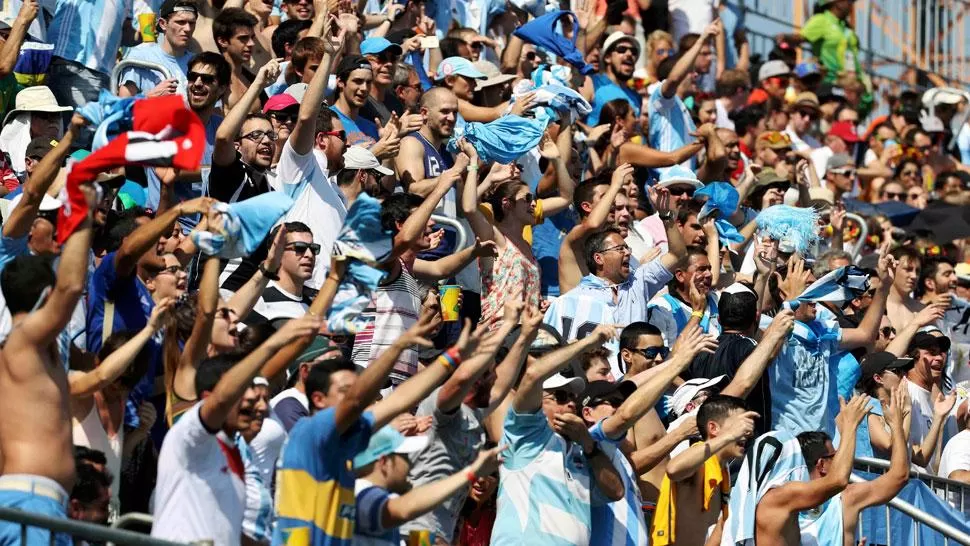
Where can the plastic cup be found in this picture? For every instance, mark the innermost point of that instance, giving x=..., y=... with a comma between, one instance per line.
x=449, y=294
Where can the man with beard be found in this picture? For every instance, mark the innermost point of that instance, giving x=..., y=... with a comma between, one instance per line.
x=689, y=299
x=937, y=284
x=381, y=101
x=619, y=59
x=355, y=76
x=245, y=146
x=176, y=23
x=208, y=79
x=466, y=408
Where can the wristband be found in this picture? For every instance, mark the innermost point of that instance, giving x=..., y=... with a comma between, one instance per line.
x=447, y=363
x=454, y=356
x=472, y=167
x=471, y=477
x=698, y=314
x=273, y=276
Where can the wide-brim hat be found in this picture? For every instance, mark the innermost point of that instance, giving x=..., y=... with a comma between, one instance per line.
x=37, y=98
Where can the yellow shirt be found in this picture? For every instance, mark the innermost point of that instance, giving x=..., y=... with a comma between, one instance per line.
x=538, y=218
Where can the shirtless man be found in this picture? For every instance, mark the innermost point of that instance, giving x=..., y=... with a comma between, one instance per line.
x=725, y=426
x=901, y=306
x=38, y=459
x=836, y=524
x=776, y=515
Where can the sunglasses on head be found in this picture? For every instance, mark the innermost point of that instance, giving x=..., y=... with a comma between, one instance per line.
x=301, y=248
x=207, y=79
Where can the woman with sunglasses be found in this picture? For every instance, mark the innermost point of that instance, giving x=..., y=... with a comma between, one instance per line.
x=909, y=173
x=205, y=326
x=624, y=128
x=660, y=45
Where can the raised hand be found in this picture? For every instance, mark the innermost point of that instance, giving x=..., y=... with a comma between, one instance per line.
x=485, y=249
x=28, y=11
x=698, y=301
x=944, y=404
x=418, y=334
x=488, y=461
x=571, y=427
x=523, y=104
x=852, y=412
x=739, y=426
x=797, y=279
x=147, y=415
x=548, y=148
x=604, y=333
x=199, y=205
x=161, y=313
x=306, y=325
x=621, y=174
x=886, y=267
x=469, y=340
x=513, y=308
x=275, y=255
x=333, y=42
x=897, y=410
x=659, y=198
x=165, y=87
x=837, y=217
x=268, y=73
x=691, y=342
x=531, y=320
x=712, y=30
x=931, y=313
x=781, y=325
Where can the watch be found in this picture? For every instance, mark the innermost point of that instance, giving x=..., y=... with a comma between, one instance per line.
x=271, y=275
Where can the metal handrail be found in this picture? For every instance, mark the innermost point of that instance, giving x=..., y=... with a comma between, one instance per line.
x=134, y=63
x=459, y=227
x=79, y=529
x=130, y=520
x=863, y=233
x=883, y=464
x=924, y=518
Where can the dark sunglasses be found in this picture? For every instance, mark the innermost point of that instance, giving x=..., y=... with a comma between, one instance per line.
x=207, y=79
x=563, y=396
x=528, y=198
x=678, y=191
x=172, y=270
x=530, y=56
x=887, y=331
x=623, y=49
x=895, y=196
x=651, y=353
x=301, y=248
x=284, y=117
x=258, y=135
x=808, y=114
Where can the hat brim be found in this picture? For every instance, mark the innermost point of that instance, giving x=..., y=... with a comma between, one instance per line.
x=412, y=444
x=48, y=109
x=383, y=170
x=628, y=39
x=575, y=385
x=393, y=47
x=497, y=80
x=696, y=184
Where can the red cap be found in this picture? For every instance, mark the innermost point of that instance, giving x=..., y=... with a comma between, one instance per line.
x=279, y=102
x=844, y=130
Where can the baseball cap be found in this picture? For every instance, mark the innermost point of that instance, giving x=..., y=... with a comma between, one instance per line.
x=803, y=70
x=926, y=340
x=772, y=69
x=774, y=140
x=493, y=75
x=575, y=385
x=881, y=361
x=838, y=161
x=845, y=131
x=678, y=175
x=620, y=36
x=547, y=339
x=172, y=6
x=357, y=158
x=602, y=391
x=350, y=63
x=941, y=95
x=458, y=66
x=375, y=46
x=386, y=441
x=963, y=271
x=280, y=102
x=689, y=390
x=39, y=146
x=297, y=90
x=828, y=93
x=319, y=346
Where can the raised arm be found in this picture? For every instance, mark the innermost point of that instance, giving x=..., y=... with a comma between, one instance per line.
x=734, y=429
x=716, y=159
x=942, y=405
x=10, y=51
x=868, y=329
x=87, y=383
x=642, y=155
x=899, y=346
x=676, y=247
x=243, y=301
x=691, y=342
x=558, y=155
x=408, y=394
x=646, y=458
x=753, y=367
x=224, y=151
x=23, y=215
x=858, y=496
x=196, y=347
x=528, y=397
x=305, y=128
x=414, y=226
x=450, y=265
x=146, y=237
x=686, y=62
x=216, y=407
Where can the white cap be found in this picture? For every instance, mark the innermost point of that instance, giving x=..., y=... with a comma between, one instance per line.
x=494, y=75
x=576, y=385
x=47, y=203
x=686, y=392
x=297, y=90
x=942, y=95
x=617, y=36
x=771, y=69
x=738, y=288
x=357, y=158
x=931, y=124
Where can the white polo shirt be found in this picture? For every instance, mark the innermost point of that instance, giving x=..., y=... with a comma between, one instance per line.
x=200, y=493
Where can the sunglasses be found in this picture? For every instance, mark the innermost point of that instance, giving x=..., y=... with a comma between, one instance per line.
x=914, y=195
x=650, y=353
x=810, y=114
x=664, y=52
x=895, y=196
x=258, y=135
x=563, y=396
x=678, y=191
x=530, y=56
x=207, y=79
x=342, y=135
x=623, y=49
x=383, y=58
x=301, y=248
x=846, y=172
x=887, y=331
x=284, y=117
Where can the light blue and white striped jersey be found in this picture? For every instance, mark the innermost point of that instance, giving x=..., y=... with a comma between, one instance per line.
x=88, y=32
x=823, y=526
x=804, y=379
x=258, y=514
x=771, y=461
x=670, y=124
x=145, y=79
x=544, y=486
x=578, y=312
x=619, y=523
x=671, y=315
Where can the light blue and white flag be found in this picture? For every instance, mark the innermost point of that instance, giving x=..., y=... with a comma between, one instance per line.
x=843, y=284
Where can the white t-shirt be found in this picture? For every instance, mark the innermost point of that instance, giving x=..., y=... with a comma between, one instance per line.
x=200, y=493
x=956, y=456
x=319, y=202
x=266, y=448
x=921, y=420
x=820, y=159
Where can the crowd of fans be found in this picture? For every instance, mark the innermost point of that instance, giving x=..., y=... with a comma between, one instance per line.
x=643, y=286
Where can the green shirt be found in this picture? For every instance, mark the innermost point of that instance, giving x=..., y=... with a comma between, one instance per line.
x=834, y=43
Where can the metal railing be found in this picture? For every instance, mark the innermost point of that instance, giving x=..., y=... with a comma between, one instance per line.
x=863, y=233
x=77, y=529
x=457, y=226
x=132, y=63
x=954, y=492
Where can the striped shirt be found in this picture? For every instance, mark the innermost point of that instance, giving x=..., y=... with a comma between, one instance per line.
x=671, y=315
x=670, y=124
x=544, y=486
x=276, y=303
x=394, y=309
x=258, y=514
x=824, y=525
x=315, y=502
x=88, y=32
x=578, y=312
x=619, y=523
x=804, y=387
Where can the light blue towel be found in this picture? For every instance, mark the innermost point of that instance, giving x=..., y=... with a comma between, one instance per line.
x=722, y=202
x=503, y=140
x=245, y=225
x=111, y=115
x=841, y=285
x=366, y=245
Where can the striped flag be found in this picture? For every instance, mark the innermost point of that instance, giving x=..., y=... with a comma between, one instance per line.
x=843, y=284
x=164, y=132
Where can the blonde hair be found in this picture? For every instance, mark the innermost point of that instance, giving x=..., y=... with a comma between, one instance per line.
x=658, y=36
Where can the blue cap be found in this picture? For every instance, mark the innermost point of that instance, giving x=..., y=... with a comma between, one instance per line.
x=806, y=69
x=376, y=46
x=386, y=441
x=458, y=66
